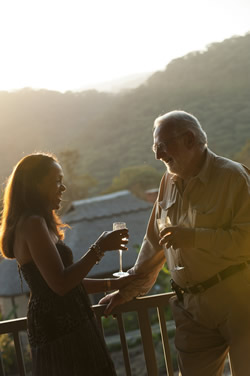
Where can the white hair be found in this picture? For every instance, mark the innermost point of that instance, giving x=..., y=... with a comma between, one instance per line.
x=182, y=121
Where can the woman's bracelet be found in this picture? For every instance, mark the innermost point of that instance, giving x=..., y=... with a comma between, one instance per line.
x=99, y=253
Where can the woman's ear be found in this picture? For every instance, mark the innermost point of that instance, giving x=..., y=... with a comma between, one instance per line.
x=41, y=187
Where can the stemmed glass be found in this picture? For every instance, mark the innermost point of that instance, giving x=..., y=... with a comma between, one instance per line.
x=120, y=226
x=163, y=223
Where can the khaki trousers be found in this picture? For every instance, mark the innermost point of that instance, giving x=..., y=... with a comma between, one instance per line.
x=213, y=323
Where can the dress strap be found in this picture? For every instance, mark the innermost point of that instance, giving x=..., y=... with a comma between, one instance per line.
x=20, y=276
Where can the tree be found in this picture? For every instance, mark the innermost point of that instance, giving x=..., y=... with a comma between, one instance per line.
x=78, y=185
x=137, y=179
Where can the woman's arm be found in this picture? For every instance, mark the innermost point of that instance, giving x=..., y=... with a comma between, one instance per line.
x=46, y=257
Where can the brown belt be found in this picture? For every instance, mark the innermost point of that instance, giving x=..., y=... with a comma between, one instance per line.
x=203, y=286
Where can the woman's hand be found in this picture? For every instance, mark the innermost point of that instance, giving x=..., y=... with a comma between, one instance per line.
x=113, y=240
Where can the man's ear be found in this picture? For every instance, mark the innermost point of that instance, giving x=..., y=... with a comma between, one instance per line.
x=189, y=139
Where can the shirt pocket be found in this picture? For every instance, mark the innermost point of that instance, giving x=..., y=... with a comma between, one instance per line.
x=167, y=208
x=213, y=218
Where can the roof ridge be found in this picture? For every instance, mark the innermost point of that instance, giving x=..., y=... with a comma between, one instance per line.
x=101, y=197
x=111, y=215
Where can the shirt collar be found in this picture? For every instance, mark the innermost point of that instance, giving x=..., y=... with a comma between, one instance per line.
x=204, y=173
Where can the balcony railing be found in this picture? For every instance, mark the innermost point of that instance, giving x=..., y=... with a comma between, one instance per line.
x=141, y=306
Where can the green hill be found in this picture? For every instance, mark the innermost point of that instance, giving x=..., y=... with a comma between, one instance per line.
x=112, y=131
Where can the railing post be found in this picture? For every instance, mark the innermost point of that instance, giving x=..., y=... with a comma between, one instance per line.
x=165, y=342
x=19, y=354
x=230, y=365
x=147, y=341
x=2, y=373
x=124, y=345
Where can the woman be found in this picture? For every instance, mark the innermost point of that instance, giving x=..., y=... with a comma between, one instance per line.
x=62, y=331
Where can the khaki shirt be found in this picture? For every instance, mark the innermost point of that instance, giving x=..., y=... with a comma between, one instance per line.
x=216, y=203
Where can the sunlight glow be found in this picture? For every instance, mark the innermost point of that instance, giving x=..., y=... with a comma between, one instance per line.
x=67, y=44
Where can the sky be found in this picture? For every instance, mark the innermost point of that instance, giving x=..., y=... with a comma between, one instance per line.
x=70, y=44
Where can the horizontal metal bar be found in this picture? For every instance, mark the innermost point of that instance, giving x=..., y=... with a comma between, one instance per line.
x=144, y=302
x=12, y=326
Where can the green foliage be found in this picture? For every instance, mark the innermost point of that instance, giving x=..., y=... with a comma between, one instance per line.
x=110, y=324
x=137, y=179
x=8, y=353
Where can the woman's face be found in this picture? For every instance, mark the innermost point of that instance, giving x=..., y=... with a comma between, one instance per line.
x=52, y=187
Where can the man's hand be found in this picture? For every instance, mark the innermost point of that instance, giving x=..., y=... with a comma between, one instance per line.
x=112, y=300
x=177, y=237
x=119, y=283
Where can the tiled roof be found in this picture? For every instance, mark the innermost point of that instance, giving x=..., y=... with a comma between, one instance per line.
x=88, y=219
x=91, y=217
x=105, y=206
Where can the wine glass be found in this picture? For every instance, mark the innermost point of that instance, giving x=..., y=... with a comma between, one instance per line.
x=163, y=223
x=120, y=226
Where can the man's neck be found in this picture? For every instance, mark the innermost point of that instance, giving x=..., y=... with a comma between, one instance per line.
x=196, y=166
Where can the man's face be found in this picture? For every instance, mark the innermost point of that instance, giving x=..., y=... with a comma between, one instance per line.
x=170, y=149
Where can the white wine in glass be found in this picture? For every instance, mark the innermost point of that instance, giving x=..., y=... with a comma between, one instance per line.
x=163, y=223
x=120, y=226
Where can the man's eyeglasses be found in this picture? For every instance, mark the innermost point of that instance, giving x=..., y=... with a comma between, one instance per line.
x=163, y=146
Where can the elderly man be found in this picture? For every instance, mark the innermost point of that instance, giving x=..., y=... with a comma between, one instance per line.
x=206, y=200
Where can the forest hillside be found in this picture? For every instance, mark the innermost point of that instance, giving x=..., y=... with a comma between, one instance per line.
x=114, y=131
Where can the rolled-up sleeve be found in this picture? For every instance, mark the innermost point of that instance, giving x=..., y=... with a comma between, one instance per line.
x=150, y=260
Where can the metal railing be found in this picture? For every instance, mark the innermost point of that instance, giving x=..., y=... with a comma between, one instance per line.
x=141, y=306
x=14, y=327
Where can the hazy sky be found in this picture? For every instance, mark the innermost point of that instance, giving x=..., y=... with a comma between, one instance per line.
x=67, y=44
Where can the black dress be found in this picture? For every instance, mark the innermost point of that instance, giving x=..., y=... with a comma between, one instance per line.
x=62, y=330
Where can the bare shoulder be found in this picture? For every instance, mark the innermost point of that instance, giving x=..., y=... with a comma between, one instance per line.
x=33, y=224
x=28, y=229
